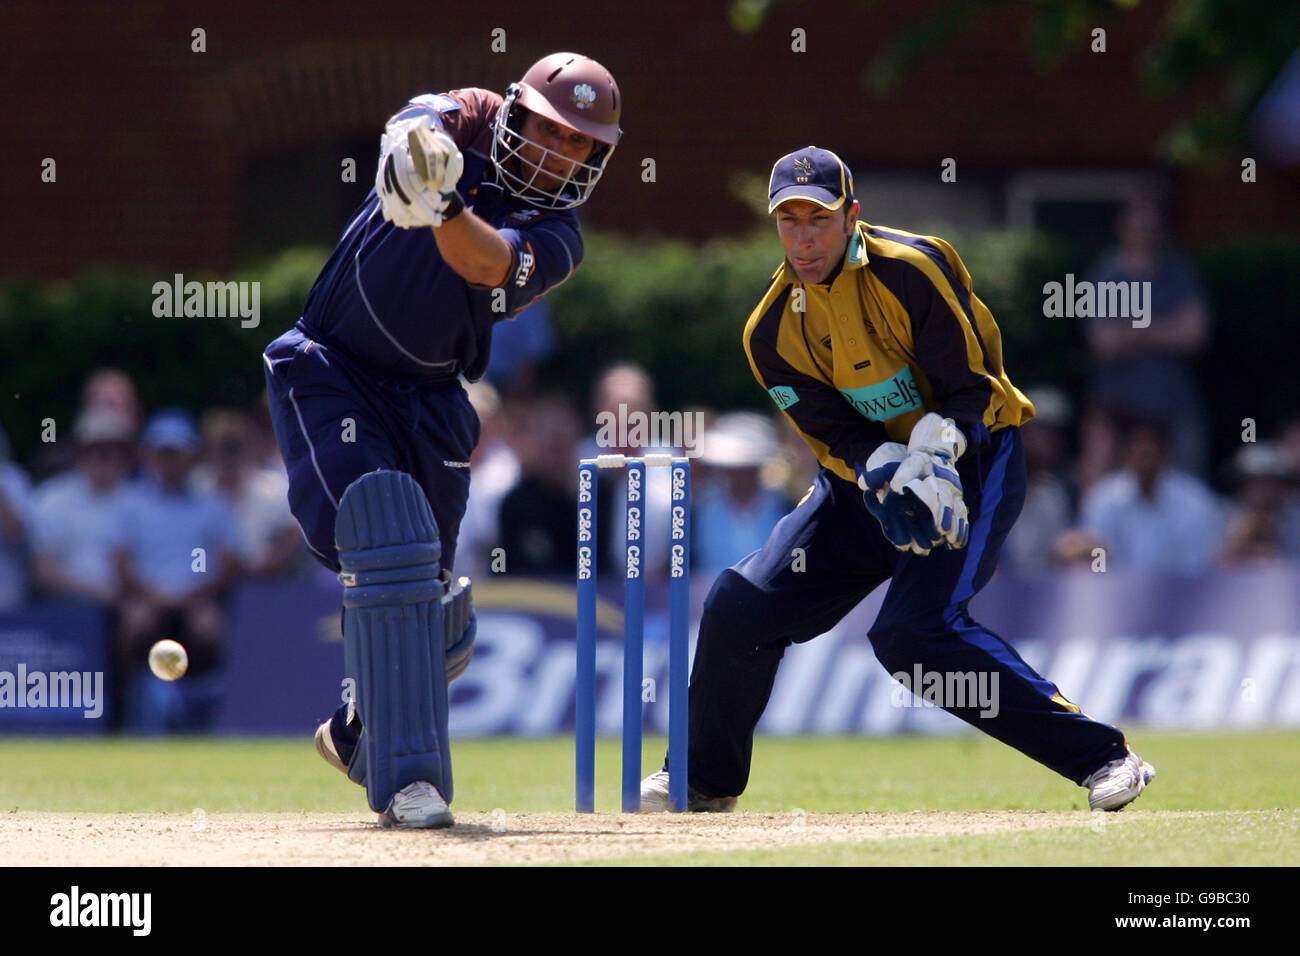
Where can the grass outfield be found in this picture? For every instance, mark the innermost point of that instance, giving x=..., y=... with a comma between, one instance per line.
x=1250, y=782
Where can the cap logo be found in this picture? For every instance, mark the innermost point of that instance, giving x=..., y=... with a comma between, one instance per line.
x=804, y=167
x=583, y=96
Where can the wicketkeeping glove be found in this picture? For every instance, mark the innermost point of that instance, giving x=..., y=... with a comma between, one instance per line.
x=907, y=525
x=929, y=475
x=419, y=167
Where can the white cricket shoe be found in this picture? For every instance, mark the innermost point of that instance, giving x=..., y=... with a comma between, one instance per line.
x=1117, y=784
x=655, y=798
x=654, y=793
x=417, y=806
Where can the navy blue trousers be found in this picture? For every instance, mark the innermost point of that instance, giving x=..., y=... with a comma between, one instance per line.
x=335, y=421
x=768, y=600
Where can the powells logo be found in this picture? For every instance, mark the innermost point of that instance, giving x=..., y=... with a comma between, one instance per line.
x=783, y=395
x=803, y=167
x=887, y=399
x=583, y=96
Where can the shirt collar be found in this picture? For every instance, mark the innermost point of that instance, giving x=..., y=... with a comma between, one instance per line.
x=855, y=255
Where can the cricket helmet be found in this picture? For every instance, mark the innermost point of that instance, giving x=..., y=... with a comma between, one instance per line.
x=574, y=91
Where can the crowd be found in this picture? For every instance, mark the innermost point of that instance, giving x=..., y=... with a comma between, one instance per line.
x=154, y=522
x=1134, y=492
x=1139, y=510
x=155, y=519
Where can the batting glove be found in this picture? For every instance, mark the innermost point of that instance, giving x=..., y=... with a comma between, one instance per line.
x=437, y=159
x=907, y=527
x=418, y=170
x=460, y=625
x=929, y=476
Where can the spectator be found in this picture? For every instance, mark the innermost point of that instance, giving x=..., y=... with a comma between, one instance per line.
x=1289, y=448
x=1049, y=506
x=15, y=526
x=107, y=389
x=1262, y=514
x=111, y=388
x=734, y=513
x=1149, y=516
x=1099, y=446
x=538, y=528
x=626, y=392
x=1289, y=444
x=78, y=514
x=796, y=467
x=269, y=542
x=1151, y=371
x=496, y=470
x=177, y=559
x=519, y=346
x=266, y=453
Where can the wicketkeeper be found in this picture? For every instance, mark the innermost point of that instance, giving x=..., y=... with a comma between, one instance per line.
x=471, y=219
x=873, y=344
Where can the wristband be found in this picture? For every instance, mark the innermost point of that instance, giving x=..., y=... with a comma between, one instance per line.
x=455, y=206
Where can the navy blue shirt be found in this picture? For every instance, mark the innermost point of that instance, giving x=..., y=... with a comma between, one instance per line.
x=388, y=300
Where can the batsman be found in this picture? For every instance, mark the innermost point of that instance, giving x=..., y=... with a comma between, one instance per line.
x=872, y=342
x=470, y=221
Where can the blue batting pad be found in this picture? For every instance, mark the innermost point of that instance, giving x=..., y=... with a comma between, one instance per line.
x=393, y=634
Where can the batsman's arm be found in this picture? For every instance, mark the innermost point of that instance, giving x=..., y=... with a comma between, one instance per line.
x=478, y=253
x=461, y=114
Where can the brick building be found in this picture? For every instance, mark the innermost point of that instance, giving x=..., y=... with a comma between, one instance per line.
x=170, y=159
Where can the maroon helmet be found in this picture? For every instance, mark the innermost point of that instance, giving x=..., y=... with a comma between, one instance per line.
x=574, y=91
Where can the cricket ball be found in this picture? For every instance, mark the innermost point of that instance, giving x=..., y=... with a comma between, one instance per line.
x=168, y=660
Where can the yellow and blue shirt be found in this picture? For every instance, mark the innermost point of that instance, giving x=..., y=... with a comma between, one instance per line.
x=894, y=333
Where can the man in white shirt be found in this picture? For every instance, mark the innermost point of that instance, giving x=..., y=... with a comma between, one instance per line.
x=77, y=513
x=15, y=527
x=1151, y=516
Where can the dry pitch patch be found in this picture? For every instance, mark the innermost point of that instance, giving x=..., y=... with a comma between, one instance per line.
x=329, y=839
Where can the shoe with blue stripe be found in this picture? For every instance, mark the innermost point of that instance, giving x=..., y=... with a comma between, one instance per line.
x=1119, y=782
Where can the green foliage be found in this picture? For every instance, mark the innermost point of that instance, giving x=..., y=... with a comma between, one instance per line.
x=747, y=15
x=675, y=307
x=54, y=336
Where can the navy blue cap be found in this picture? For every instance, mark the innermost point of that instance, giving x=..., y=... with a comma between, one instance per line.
x=171, y=428
x=817, y=175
